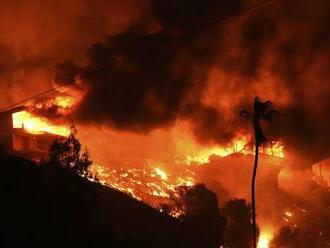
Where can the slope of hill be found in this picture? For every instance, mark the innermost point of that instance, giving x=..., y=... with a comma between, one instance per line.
x=52, y=207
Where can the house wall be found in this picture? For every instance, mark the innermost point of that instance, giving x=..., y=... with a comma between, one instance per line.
x=6, y=127
x=33, y=146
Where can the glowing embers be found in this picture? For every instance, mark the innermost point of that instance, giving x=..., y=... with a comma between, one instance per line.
x=150, y=185
x=36, y=125
x=238, y=145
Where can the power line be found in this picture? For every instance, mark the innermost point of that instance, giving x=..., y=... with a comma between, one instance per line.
x=217, y=20
x=49, y=90
x=231, y=15
x=37, y=95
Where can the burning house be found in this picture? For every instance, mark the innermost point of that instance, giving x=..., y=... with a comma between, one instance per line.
x=25, y=134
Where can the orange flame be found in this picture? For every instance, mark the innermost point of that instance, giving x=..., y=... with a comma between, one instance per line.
x=154, y=184
x=36, y=125
x=201, y=155
x=64, y=101
x=151, y=185
x=265, y=239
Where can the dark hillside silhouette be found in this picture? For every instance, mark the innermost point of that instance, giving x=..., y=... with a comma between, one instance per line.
x=54, y=207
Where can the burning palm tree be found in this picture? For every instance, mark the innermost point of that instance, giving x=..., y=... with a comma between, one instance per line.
x=261, y=111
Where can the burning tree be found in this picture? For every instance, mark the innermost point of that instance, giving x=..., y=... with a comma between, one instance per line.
x=67, y=152
x=261, y=111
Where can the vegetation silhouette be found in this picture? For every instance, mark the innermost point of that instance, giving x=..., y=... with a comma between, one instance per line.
x=200, y=212
x=229, y=226
x=51, y=206
x=67, y=152
x=238, y=232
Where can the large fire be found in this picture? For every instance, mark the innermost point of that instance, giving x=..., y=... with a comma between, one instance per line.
x=157, y=98
x=154, y=183
x=150, y=182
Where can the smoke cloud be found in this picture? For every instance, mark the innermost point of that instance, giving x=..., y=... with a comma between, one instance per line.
x=154, y=73
x=169, y=65
x=36, y=35
x=152, y=63
x=279, y=55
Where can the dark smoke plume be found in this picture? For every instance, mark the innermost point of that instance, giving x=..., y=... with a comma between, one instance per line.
x=149, y=77
x=158, y=71
x=291, y=45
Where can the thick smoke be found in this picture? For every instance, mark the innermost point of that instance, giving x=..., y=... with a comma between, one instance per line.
x=154, y=73
x=176, y=62
x=36, y=34
x=283, y=58
x=165, y=61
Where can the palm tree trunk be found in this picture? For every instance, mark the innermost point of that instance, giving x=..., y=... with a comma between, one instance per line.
x=253, y=196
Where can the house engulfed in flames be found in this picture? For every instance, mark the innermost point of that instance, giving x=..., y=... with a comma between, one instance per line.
x=25, y=134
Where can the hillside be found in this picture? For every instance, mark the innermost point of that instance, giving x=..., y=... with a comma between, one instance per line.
x=52, y=207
